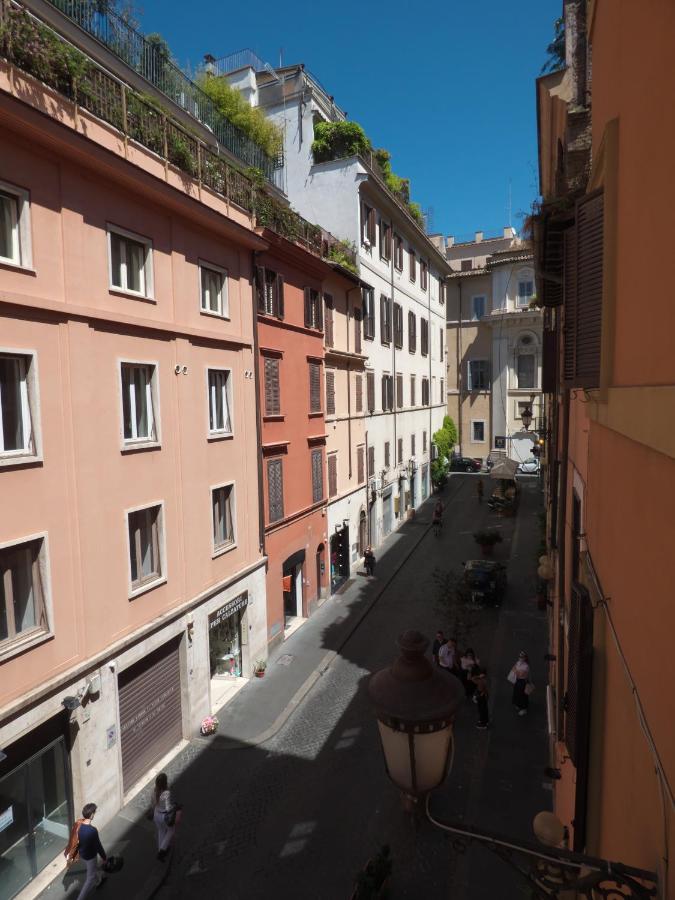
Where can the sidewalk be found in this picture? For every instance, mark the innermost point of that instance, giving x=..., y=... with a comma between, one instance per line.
x=254, y=715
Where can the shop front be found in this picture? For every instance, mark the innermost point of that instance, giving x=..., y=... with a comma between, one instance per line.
x=387, y=511
x=339, y=557
x=36, y=808
x=226, y=628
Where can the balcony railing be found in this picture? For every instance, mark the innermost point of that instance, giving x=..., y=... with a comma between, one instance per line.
x=39, y=51
x=151, y=62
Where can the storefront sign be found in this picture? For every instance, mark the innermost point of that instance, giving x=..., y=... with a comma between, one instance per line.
x=229, y=609
x=6, y=818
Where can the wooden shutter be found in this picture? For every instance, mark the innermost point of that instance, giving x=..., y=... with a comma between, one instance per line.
x=328, y=300
x=280, y=296
x=372, y=225
x=399, y=391
x=370, y=390
x=384, y=392
x=387, y=460
x=260, y=287
x=332, y=475
x=400, y=450
x=330, y=392
x=314, y=387
x=360, y=464
x=424, y=442
x=425, y=337
x=357, y=330
x=412, y=444
x=317, y=476
x=411, y=332
x=272, y=393
x=383, y=249
x=371, y=461
x=318, y=310
x=441, y=343
x=412, y=391
x=308, y=308
x=383, y=319
x=413, y=264
x=359, y=393
x=275, y=489
x=549, y=365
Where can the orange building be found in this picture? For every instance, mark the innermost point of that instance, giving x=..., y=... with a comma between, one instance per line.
x=603, y=238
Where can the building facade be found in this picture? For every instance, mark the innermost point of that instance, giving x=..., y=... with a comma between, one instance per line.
x=494, y=337
x=605, y=155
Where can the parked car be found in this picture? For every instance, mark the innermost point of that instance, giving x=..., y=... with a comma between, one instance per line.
x=529, y=467
x=483, y=581
x=465, y=464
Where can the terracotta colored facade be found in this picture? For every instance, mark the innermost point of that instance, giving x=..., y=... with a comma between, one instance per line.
x=610, y=454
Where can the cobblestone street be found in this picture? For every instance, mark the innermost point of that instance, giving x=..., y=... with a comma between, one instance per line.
x=299, y=815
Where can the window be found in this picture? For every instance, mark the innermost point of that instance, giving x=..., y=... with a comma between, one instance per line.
x=270, y=290
x=371, y=461
x=387, y=456
x=387, y=392
x=222, y=500
x=138, y=408
x=399, y=391
x=424, y=275
x=370, y=391
x=398, y=325
x=332, y=475
x=328, y=317
x=330, y=392
x=424, y=337
x=525, y=370
x=400, y=450
x=313, y=311
x=412, y=332
x=145, y=555
x=398, y=252
x=357, y=331
x=385, y=319
x=22, y=596
x=441, y=343
x=412, y=264
x=413, y=398
x=317, y=476
x=213, y=289
x=360, y=463
x=368, y=225
x=424, y=442
x=412, y=444
x=359, y=393
x=272, y=387
x=466, y=265
x=16, y=395
x=368, y=305
x=478, y=431
x=441, y=291
x=478, y=375
x=130, y=262
x=385, y=240
x=442, y=399
x=15, y=244
x=425, y=392
x=315, y=387
x=275, y=489
x=478, y=305
x=525, y=291
x=220, y=421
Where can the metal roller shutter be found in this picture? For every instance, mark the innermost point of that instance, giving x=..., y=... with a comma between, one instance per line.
x=151, y=721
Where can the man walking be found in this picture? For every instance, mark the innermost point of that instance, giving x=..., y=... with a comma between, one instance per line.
x=89, y=848
x=439, y=640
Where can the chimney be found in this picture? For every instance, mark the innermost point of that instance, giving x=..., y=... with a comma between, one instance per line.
x=509, y=232
x=450, y=242
x=479, y=237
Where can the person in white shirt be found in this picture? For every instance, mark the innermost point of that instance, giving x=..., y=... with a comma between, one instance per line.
x=520, y=678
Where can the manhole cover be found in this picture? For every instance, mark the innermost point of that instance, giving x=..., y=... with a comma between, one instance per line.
x=286, y=659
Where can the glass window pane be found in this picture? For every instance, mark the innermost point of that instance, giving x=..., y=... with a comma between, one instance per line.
x=48, y=803
x=140, y=396
x=16, y=866
x=9, y=231
x=12, y=432
x=23, y=594
x=211, y=290
x=526, y=371
x=133, y=526
x=135, y=263
x=126, y=402
x=116, y=260
x=146, y=561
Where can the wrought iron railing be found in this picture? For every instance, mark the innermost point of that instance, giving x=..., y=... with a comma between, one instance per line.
x=152, y=62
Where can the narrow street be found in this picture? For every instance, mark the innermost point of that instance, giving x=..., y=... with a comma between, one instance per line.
x=300, y=815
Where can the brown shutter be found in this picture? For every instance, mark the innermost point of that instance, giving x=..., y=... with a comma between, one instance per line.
x=275, y=489
x=399, y=391
x=441, y=343
x=382, y=239
x=260, y=287
x=590, y=230
x=549, y=381
x=372, y=225
x=387, y=461
x=357, y=330
x=314, y=387
x=317, y=476
x=360, y=464
x=371, y=461
x=330, y=392
x=412, y=444
x=383, y=323
x=280, y=296
x=424, y=442
x=370, y=390
x=359, y=393
x=272, y=394
x=332, y=475
x=329, y=319
x=384, y=392
x=308, y=307
x=400, y=450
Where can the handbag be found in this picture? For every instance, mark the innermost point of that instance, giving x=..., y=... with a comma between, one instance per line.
x=529, y=687
x=511, y=677
x=170, y=815
x=72, y=851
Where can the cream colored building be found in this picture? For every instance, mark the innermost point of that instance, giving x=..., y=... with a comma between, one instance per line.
x=494, y=341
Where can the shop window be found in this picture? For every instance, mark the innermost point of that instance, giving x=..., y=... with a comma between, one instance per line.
x=130, y=262
x=23, y=611
x=220, y=420
x=138, y=403
x=222, y=504
x=18, y=401
x=213, y=290
x=145, y=547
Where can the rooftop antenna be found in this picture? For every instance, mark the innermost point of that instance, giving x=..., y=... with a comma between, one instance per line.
x=428, y=218
x=509, y=206
x=281, y=57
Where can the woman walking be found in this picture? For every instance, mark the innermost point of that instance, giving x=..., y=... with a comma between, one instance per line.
x=164, y=815
x=467, y=664
x=437, y=518
x=519, y=676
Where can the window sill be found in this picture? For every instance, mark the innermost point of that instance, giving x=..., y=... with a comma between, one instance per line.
x=17, y=266
x=223, y=549
x=20, y=459
x=136, y=592
x=214, y=315
x=133, y=446
x=315, y=415
x=220, y=436
x=21, y=644
x=274, y=417
x=133, y=295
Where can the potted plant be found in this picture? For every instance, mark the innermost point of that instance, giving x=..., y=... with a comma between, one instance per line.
x=487, y=539
x=259, y=668
x=209, y=725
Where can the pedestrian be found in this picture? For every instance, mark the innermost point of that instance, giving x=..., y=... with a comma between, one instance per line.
x=165, y=811
x=369, y=560
x=479, y=489
x=89, y=848
x=439, y=640
x=519, y=676
x=437, y=518
x=468, y=662
x=482, y=697
x=448, y=658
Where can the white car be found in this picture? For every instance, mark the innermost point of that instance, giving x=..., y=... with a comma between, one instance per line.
x=529, y=467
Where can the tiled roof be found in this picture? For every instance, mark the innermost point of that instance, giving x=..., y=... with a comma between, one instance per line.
x=469, y=272
x=509, y=256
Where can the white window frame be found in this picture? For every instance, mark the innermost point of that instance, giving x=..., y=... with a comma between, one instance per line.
x=223, y=311
x=13, y=646
x=141, y=442
x=161, y=546
x=30, y=409
x=524, y=278
x=147, y=272
x=22, y=240
x=219, y=549
x=219, y=434
x=469, y=383
x=473, y=437
x=483, y=297
x=519, y=356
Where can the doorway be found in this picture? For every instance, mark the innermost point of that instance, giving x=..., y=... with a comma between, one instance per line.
x=339, y=558
x=292, y=571
x=363, y=532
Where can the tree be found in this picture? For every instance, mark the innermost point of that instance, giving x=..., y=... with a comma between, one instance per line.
x=556, y=49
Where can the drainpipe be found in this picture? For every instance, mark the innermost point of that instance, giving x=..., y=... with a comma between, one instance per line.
x=460, y=374
x=258, y=421
x=393, y=368
x=430, y=343
x=561, y=538
x=370, y=537
x=349, y=383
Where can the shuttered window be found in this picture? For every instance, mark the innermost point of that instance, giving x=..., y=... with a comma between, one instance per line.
x=22, y=600
x=145, y=558
x=400, y=450
x=398, y=252
x=359, y=393
x=424, y=337
x=385, y=319
x=412, y=263
x=441, y=343
x=398, y=325
x=424, y=442
x=399, y=391
x=223, y=519
x=317, y=476
x=442, y=397
x=330, y=392
x=370, y=390
x=272, y=392
x=371, y=461
x=270, y=291
x=332, y=475
x=328, y=330
x=313, y=313
x=314, y=387
x=275, y=489
x=425, y=392
x=412, y=332
x=412, y=444
x=385, y=240
x=413, y=392
x=583, y=277
x=387, y=392
x=357, y=331
x=361, y=464
x=424, y=275
x=368, y=307
x=387, y=456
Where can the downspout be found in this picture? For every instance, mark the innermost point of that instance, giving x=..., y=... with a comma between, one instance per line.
x=562, y=541
x=459, y=367
x=370, y=537
x=349, y=384
x=430, y=347
x=393, y=365
x=258, y=421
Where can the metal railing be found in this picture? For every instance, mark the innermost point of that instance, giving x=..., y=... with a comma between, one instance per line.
x=150, y=60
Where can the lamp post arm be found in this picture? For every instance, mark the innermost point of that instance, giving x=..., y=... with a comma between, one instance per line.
x=554, y=872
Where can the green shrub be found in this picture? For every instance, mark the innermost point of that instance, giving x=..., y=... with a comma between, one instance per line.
x=251, y=120
x=337, y=140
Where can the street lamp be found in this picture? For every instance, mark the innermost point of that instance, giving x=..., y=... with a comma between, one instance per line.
x=526, y=416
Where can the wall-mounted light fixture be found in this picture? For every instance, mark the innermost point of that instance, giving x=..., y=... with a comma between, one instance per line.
x=71, y=703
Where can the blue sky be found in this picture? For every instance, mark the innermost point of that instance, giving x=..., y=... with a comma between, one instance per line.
x=446, y=87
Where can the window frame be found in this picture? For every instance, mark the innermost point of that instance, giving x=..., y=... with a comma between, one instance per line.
x=368, y=313
x=412, y=265
x=398, y=252
x=148, y=264
x=424, y=275
x=474, y=297
x=524, y=279
x=475, y=422
x=11, y=646
x=218, y=434
x=315, y=364
x=224, y=299
x=131, y=444
x=469, y=379
x=30, y=402
x=533, y=357
x=385, y=229
x=274, y=459
x=218, y=549
x=23, y=237
x=162, y=577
